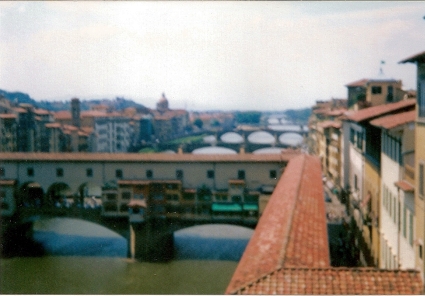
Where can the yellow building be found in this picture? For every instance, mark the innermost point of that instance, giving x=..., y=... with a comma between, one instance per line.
x=370, y=210
x=419, y=60
x=373, y=92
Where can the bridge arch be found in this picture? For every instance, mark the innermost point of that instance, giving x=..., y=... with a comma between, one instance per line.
x=90, y=194
x=78, y=236
x=31, y=194
x=291, y=139
x=58, y=193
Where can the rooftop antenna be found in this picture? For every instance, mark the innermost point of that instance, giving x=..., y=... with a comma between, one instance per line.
x=381, y=71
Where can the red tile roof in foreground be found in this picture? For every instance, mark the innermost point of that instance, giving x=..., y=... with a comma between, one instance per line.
x=392, y=121
x=292, y=230
x=336, y=281
x=375, y=111
x=289, y=254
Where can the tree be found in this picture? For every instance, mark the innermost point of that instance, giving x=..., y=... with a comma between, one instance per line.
x=198, y=122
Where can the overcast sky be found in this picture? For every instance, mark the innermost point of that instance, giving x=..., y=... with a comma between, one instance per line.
x=206, y=55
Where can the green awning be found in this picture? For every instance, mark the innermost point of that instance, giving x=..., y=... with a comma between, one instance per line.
x=226, y=207
x=250, y=207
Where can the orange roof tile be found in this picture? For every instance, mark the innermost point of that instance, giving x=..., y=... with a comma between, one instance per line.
x=336, y=112
x=339, y=281
x=361, y=82
x=292, y=229
x=53, y=125
x=7, y=182
x=329, y=123
x=133, y=182
x=41, y=112
x=289, y=253
x=405, y=186
x=8, y=116
x=373, y=112
x=62, y=115
x=392, y=121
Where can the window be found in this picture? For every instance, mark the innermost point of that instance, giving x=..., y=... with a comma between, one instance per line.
x=210, y=174
x=376, y=90
x=89, y=172
x=149, y=174
x=273, y=174
x=2, y=173
x=118, y=174
x=352, y=134
x=421, y=180
x=179, y=174
x=111, y=196
x=390, y=95
x=59, y=172
x=30, y=172
x=236, y=198
x=126, y=195
x=241, y=174
x=420, y=251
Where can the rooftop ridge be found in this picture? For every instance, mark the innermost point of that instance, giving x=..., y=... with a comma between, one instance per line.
x=267, y=247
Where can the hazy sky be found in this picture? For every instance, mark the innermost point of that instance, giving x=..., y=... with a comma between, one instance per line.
x=206, y=55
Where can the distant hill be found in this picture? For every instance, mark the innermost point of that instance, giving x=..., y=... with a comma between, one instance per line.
x=118, y=103
x=298, y=115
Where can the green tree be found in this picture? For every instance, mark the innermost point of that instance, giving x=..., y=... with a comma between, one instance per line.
x=198, y=122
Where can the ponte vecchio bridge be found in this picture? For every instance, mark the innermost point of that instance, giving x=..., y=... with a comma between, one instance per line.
x=179, y=190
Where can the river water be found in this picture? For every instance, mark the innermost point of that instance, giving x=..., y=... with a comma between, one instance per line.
x=85, y=259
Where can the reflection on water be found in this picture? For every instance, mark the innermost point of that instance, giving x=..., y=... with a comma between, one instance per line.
x=70, y=237
x=211, y=242
x=105, y=274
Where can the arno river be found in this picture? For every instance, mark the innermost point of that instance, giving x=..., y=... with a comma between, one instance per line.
x=90, y=260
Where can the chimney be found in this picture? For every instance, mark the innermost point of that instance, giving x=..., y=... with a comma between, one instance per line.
x=75, y=112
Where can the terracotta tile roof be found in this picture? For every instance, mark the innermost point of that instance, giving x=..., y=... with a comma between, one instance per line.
x=147, y=157
x=70, y=127
x=41, y=112
x=373, y=112
x=8, y=116
x=133, y=182
x=392, y=121
x=7, y=182
x=405, y=186
x=420, y=57
x=281, y=238
x=361, y=82
x=289, y=252
x=62, y=115
x=329, y=123
x=336, y=112
x=19, y=110
x=339, y=281
x=53, y=125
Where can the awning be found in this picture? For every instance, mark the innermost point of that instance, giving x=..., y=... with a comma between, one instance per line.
x=250, y=207
x=226, y=207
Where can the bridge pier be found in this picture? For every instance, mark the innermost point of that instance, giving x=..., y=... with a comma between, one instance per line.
x=151, y=241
